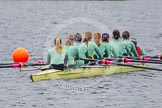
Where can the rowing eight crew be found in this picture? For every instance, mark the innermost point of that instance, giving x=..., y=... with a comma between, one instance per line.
x=75, y=49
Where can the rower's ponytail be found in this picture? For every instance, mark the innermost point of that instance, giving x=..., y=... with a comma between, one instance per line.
x=125, y=35
x=69, y=40
x=97, y=37
x=88, y=36
x=58, y=44
x=116, y=34
x=86, y=41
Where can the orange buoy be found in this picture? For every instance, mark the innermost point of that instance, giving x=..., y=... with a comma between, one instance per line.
x=20, y=55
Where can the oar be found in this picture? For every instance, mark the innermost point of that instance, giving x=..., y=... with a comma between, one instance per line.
x=3, y=64
x=149, y=58
x=128, y=65
x=126, y=60
x=146, y=58
x=108, y=62
x=134, y=66
x=157, y=56
x=140, y=59
x=20, y=65
x=35, y=62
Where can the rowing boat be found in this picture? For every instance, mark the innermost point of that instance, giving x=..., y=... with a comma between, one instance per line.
x=114, y=65
x=83, y=71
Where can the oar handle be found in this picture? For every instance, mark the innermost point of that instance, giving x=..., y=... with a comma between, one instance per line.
x=108, y=62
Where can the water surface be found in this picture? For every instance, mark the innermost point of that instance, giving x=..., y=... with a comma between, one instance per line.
x=34, y=24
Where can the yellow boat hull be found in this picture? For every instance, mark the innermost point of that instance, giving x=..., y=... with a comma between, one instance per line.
x=81, y=72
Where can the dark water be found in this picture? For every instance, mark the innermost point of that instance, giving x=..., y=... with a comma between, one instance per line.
x=34, y=24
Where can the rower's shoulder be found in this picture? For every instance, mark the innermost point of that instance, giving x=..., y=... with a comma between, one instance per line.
x=92, y=44
x=131, y=43
x=108, y=44
x=112, y=42
x=51, y=49
x=125, y=42
x=70, y=48
x=103, y=44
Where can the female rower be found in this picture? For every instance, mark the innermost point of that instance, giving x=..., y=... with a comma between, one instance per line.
x=93, y=50
x=119, y=47
x=103, y=48
x=57, y=56
x=130, y=46
x=140, y=50
x=105, y=40
x=72, y=52
x=82, y=49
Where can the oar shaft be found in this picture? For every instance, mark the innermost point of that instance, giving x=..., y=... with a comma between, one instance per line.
x=146, y=58
x=119, y=64
x=143, y=61
x=16, y=65
x=9, y=66
x=3, y=64
x=20, y=65
x=117, y=60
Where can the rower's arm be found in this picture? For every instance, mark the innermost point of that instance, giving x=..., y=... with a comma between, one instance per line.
x=134, y=51
x=114, y=53
x=66, y=59
x=143, y=53
x=107, y=51
x=48, y=58
x=97, y=50
x=77, y=53
x=84, y=54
